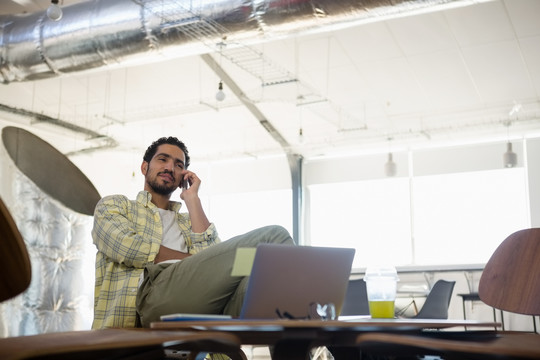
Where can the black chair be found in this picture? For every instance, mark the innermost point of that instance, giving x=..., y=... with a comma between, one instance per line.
x=437, y=301
x=356, y=301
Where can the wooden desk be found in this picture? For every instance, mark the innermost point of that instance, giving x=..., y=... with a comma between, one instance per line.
x=502, y=345
x=292, y=339
x=114, y=343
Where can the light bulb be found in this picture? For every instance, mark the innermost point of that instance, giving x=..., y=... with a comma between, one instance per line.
x=54, y=11
x=390, y=168
x=509, y=157
x=301, y=136
x=220, y=95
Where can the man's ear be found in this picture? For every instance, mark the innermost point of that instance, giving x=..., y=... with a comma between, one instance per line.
x=144, y=167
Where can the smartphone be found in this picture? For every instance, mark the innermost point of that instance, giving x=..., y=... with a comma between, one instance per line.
x=184, y=184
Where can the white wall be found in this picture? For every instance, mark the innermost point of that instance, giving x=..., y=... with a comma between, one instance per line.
x=118, y=172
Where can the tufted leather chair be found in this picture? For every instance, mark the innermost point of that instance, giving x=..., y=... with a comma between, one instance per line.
x=59, y=246
x=52, y=209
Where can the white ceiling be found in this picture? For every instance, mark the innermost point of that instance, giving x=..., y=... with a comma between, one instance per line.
x=444, y=77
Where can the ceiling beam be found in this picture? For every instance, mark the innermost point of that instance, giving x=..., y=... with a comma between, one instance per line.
x=231, y=84
x=295, y=160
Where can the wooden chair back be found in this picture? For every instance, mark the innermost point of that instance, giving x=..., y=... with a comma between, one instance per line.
x=511, y=279
x=15, y=269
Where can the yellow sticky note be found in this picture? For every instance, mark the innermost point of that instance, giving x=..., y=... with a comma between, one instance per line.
x=243, y=261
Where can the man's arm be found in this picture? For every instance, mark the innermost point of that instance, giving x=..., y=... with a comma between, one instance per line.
x=166, y=253
x=199, y=221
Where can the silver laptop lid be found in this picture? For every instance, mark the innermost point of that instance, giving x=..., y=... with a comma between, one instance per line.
x=288, y=278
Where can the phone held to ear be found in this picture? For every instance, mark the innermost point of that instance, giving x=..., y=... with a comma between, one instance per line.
x=184, y=184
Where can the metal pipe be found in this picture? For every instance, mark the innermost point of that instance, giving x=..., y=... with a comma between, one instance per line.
x=98, y=33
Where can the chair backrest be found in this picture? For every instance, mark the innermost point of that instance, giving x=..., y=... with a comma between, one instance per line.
x=15, y=270
x=356, y=301
x=437, y=301
x=511, y=278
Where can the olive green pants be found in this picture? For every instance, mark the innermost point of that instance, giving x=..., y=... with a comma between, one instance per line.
x=201, y=283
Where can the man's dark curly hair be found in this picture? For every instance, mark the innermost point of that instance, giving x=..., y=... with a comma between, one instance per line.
x=171, y=140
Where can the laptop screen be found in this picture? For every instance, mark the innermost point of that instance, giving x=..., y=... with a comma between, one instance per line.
x=287, y=278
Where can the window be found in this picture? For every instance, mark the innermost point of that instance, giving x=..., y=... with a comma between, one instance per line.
x=457, y=218
x=371, y=216
x=462, y=218
x=238, y=213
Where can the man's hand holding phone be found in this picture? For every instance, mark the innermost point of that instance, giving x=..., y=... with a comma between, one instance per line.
x=189, y=185
x=190, y=195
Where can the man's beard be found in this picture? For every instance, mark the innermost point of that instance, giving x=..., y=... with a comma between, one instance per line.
x=162, y=189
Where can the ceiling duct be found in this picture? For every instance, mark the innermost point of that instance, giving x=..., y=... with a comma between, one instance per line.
x=99, y=33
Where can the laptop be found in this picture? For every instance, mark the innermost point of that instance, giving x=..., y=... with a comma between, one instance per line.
x=287, y=279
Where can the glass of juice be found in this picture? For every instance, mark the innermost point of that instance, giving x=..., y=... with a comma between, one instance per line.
x=381, y=284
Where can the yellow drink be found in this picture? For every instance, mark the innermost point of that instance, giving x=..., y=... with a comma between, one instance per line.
x=381, y=309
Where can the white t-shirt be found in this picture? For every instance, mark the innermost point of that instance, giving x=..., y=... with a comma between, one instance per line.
x=172, y=236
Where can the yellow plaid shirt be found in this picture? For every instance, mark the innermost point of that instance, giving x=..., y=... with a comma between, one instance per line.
x=127, y=234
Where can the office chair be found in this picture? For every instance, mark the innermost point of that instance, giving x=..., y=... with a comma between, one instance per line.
x=511, y=278
x=132, y=344
x=437, y=301
x=356, y=301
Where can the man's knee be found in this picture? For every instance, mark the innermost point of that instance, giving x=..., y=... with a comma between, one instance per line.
x=279, y=234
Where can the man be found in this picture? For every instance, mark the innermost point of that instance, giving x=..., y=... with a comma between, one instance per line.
x=153, y=260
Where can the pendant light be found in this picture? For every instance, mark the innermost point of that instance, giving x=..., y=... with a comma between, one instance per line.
x=220, y=95
x=390, y=167
x=300, y=136
x=509, y=157
x=54, y=11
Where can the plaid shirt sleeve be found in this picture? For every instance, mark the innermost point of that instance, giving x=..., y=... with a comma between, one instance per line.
x=127, y=238
x=198, y=241
x=126, y=234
